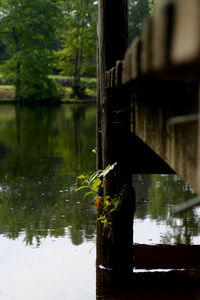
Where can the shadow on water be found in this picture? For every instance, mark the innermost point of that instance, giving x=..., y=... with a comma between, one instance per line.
x=42, y=150
x=166, y=246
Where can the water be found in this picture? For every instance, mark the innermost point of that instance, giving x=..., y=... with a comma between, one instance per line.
x=47, y=232
x=166, y=246
x=154, y=222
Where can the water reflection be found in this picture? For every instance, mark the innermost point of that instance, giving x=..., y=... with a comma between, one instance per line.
x=42, y=150
x=156, y=195
x=166, y=265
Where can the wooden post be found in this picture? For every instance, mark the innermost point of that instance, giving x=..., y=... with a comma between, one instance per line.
x=112, y=44
x=114, y=253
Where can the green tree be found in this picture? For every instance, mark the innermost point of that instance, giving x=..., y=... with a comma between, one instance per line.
x=154, y=5
x=78, y=54
x=138, y=11
x=28, y=28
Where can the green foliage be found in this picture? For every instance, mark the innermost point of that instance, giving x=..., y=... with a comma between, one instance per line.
x=77, y=55
x=108, y=207
x=78, y=88
x=67, y=81
x=28, y=28
x=106, y=204
x=3, y=52
x=154, y=5
x=94, y=181
x=138, y=11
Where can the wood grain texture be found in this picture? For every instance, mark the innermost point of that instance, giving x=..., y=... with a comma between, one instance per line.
x=161, y=38
x=186, y=37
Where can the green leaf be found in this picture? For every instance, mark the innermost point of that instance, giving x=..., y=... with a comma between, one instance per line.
x=101, y=218
x=108, y=169
x=93, y=176
x=95, y=185
x=116, y=204
x=87, y=194
x=82, y=187
x=82, y=177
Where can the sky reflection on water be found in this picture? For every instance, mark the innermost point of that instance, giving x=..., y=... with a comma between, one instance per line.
x=56, y=270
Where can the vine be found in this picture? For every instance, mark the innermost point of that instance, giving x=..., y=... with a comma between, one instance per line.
x=106, y=204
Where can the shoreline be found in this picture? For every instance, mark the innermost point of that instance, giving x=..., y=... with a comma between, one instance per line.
x=7, y=97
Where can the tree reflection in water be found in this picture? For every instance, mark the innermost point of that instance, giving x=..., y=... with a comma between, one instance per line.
x=161, y=271
x=42, y=150
x=156, y=195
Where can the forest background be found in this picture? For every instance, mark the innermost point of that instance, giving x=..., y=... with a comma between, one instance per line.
x=48, y=47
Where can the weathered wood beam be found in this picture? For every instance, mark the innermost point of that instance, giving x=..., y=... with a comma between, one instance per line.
x=131, y=65
x=162, y=28
x=165, y=64
x=166, y=256
x=186, y=38
x=175, y=284
x=146, y=50
x=118, y=78
x=113, y=140
x=176, y=142
x=169, y=47
x=112, y=41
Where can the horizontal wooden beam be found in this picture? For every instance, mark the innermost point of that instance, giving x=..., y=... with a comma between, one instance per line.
x=157, y=114
x=169, y=47
x=161, y=284
x=165, y=136
x=166, y=256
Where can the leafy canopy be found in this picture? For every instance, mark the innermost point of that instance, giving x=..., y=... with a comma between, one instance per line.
x=28, y=28
x=138, y=11
x=78, y=53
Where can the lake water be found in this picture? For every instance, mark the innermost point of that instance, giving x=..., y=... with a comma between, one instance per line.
x=154, y=221
x=47, y=232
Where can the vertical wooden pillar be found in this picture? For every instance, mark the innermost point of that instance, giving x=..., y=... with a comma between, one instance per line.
x=114, y=254
x=198, y=138
x=112, y=44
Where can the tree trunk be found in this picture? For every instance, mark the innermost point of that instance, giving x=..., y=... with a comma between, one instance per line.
x=18, y=81
x=17, y=84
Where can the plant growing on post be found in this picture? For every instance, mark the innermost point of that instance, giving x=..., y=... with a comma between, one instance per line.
x=107, y=205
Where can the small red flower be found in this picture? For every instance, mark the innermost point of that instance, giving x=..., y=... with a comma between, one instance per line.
x=96, y=202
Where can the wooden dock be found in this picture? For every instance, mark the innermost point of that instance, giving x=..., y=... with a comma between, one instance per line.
x=161, y=71
x=148, y=112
